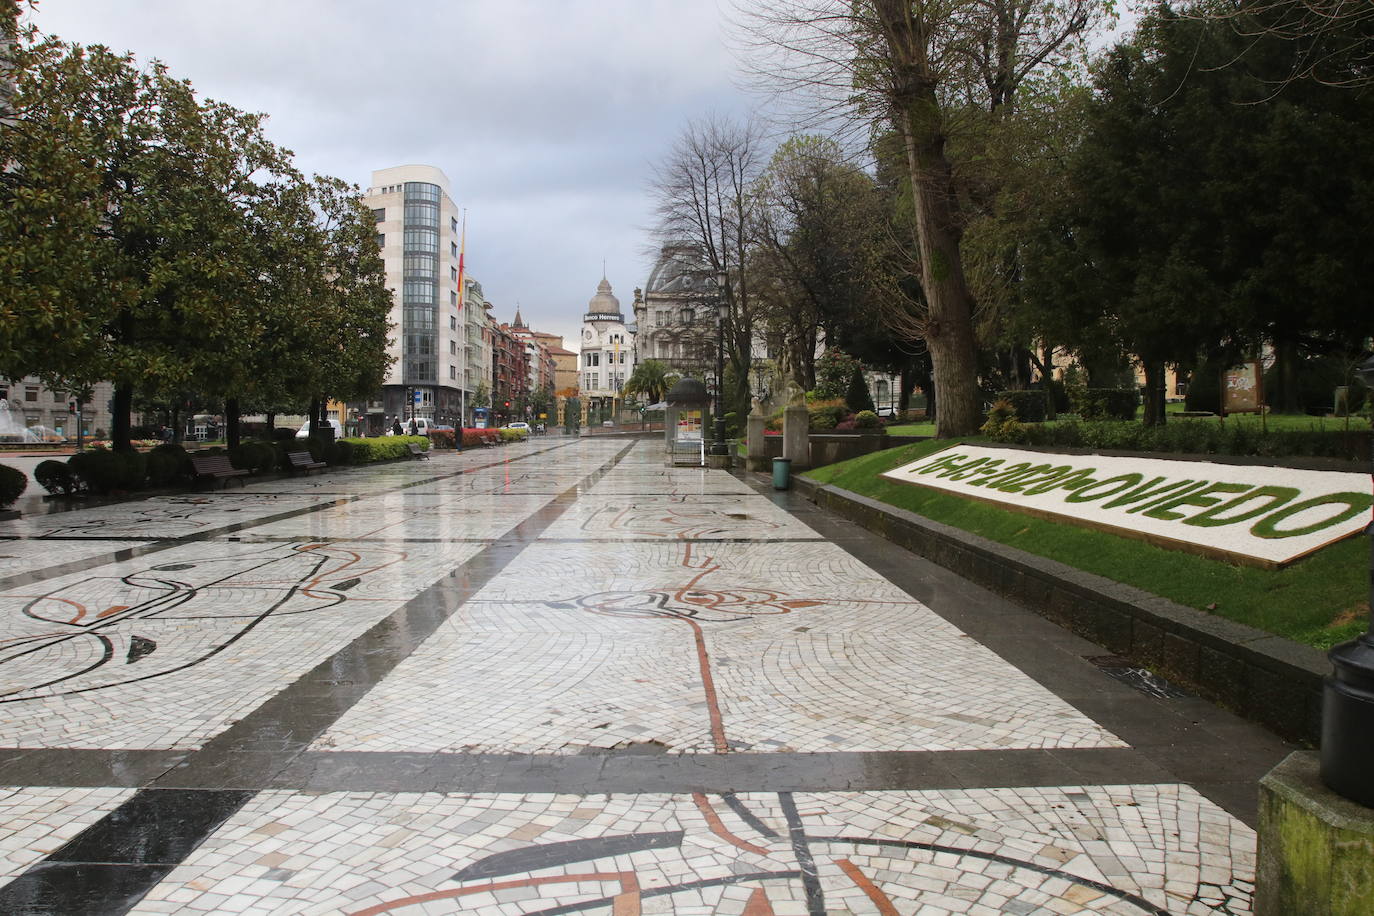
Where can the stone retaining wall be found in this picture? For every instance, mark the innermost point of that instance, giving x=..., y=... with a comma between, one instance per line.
x=1268, y=679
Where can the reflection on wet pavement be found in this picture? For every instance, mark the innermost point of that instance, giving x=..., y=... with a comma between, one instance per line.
x=554, y=677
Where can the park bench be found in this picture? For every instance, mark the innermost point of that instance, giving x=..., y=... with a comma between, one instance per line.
x=216, y=467
x=304, y=461
x=416, y=452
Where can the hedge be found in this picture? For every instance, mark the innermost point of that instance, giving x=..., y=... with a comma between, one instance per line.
x=103, y=471
x=376, y=448
x=1030, y=406
x=474, y=438
x=13, y=482
x=1104, y=403
x=56, y=477
x=1194, y=437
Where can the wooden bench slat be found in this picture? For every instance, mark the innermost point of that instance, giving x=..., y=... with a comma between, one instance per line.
x=304, y=461
x=417, y=452
x=217, y=467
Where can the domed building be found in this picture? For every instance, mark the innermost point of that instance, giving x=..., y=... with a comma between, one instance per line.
x=608, y=355
x=676, y=313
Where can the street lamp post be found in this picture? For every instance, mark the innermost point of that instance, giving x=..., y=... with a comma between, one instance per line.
x=718, y=446
x=1347, y=754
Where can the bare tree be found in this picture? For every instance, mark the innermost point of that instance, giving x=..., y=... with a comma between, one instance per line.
x=923, y=68
x=705, y=198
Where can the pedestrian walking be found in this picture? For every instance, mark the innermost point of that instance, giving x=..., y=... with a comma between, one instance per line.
x=396, y=426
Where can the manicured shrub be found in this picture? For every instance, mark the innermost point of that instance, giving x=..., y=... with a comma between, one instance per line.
x=13, y=482
x=258, y=457
x=97, y=469
x=827, y=414
x=343, y=452
x=283, y=434
x=866, y=419
x=857, y=397
x=164, y=468
x=1002, y=425
x=513, y=435
x=442, y=438
x=1030, y=405
x=56, y=477
x=1104, y=403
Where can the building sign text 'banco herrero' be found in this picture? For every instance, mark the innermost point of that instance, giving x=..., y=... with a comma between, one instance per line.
x=1264, y=515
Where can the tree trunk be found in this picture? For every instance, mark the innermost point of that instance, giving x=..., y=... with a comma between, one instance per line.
x=176, y=425
x=949, y=322
x=231, y=422
x=120, y=422
x=271, y=426
x=1154, y=393
x=1286, y=397
x=314, y=416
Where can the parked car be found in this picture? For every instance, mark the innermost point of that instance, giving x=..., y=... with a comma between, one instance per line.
x=887, y=413
x=304, y=431
x=524, y=426
x=610, y=423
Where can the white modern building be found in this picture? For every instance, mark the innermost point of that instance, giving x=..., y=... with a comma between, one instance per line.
x=608, y=354
x=418, y=233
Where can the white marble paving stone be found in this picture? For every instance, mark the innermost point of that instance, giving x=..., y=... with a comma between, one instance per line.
x=180, y=694
x=22, y=556
x=535, y=664
x=161, y=517
x=418, y=515
x=37, y=820
x=682, y=517
x=347, y=851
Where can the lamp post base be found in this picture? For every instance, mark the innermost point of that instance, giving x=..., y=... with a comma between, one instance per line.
x=1347, y=750
x=719, y=446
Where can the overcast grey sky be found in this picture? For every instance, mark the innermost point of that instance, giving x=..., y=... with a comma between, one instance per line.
x=546, y=115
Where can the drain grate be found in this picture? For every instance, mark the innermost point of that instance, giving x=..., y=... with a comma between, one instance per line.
x=1142, y=679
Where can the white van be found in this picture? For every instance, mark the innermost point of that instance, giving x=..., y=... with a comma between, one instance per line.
x=304, y=431
x=423, y=427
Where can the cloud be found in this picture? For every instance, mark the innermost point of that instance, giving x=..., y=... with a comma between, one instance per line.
x=546, y=114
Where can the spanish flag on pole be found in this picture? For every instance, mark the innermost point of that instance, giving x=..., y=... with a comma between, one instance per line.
x=462, y=249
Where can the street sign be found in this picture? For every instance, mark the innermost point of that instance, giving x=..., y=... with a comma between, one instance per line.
x=418, y=397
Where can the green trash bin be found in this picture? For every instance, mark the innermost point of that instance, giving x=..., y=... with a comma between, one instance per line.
x=782, y=473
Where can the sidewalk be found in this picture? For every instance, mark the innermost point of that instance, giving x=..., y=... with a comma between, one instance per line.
x=559, y=677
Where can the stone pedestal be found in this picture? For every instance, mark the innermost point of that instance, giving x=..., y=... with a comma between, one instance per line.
x=1316, y=848
x=719, y=462
x=756, y=452
x=796, y=436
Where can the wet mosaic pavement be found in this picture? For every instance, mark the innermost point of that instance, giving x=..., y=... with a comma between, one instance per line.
x=559, y=677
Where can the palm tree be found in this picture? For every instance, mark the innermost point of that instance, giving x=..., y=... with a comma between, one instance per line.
x=652, y=378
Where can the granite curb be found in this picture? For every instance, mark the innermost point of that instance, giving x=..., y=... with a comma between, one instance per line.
x=1265, y=678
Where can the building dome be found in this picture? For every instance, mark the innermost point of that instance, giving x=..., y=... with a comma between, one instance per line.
x=604, y=302
x=680, y=269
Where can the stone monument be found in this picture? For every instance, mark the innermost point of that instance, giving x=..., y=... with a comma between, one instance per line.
x=796, y=428
x=756, y=451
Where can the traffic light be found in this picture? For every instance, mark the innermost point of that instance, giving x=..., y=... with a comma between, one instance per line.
x=71, y=407
x=508, y=403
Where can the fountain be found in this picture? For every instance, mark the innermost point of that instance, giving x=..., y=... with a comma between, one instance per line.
x=12, y=428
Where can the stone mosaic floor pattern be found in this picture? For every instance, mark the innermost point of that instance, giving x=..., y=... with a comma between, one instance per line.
x=562, y=603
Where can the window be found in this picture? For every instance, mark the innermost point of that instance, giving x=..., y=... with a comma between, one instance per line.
x=381, y=239
x=379, y=214
x=595, y=379
x=453, y=346
x=687, y=316
x=453, y=274
x=453, y=223
x=420, y=265
x=453, y=322
x=453, y=297
x=453, y=248
x=622, y=357
x=31, y=394
x=59, y=397
x=422, y=240
x=421, y=213
x=452, y=371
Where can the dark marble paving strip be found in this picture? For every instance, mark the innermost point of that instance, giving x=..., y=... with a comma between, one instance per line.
x=109, y=866
x=673, y=540
x=84, y=767
x=1190, y=740
x=113, y=863
x=159, y=544
x=630, y=773
x=66, y=889
x=252, y=750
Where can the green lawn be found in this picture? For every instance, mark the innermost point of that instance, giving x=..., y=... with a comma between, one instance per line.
x=1320, y=600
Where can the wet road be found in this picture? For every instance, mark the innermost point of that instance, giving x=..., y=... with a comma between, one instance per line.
x=559, y=677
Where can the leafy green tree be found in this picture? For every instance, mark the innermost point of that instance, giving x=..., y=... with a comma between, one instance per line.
x=652, y=378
